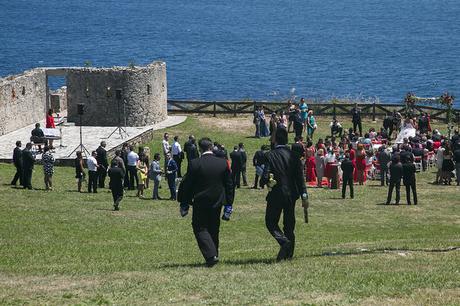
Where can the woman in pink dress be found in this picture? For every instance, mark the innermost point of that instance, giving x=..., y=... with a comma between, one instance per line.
x=310, y=169
x=361, y=164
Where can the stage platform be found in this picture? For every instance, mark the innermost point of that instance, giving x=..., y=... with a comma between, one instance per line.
x=92, y=136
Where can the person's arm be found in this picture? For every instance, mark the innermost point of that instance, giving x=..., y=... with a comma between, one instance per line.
x=228, y=186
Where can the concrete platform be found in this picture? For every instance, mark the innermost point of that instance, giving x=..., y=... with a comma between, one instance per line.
x=92, y=136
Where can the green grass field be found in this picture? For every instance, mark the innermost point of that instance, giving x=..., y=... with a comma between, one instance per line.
x=63, y=247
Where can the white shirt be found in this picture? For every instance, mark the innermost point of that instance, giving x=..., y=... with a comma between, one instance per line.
x=165, y=146
x=132, y=158
x=176, y=148
x=91, y=162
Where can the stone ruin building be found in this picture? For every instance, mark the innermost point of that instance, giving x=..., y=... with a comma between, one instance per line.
x=131, y=96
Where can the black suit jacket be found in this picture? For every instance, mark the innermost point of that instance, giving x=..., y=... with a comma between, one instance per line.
x=298, y=149
x=244, y=158
x=287, y=171
x=237, y=160
x=17, y=157
x=207, y=183
x=347, y=168
x=396, y=172
x=408, y=173
x=102, y=157
x=27, y=160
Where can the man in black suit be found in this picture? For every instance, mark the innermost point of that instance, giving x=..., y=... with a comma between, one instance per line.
x=116, y=175
x=396, y=173
x=356, y=119
x=409, y=180
x=237, y=162
x=258, y=162
x=207, y=186
x=103, y=164
x=28, y=161
x=298, y=147
x=17, y=161
x=244, y=160
x=191, y=149
x=347, y=176
x=298, y=123
x=284, y=177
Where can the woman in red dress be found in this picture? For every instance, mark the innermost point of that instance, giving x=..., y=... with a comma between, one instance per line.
x=310, y=169
x=361, y=164
x=50, y=125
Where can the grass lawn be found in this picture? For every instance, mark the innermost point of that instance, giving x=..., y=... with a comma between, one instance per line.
x=62, y=247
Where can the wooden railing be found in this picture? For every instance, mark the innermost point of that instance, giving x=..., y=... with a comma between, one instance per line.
x=370, y=110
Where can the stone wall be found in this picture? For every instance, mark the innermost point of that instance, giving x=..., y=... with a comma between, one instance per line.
x=111, y=95
x=22, y=100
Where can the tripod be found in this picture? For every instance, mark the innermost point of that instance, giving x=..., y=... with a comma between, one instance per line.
x=121, y=130
x=80, y=147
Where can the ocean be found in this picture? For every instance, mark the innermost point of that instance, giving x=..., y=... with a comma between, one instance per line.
x=254, y=50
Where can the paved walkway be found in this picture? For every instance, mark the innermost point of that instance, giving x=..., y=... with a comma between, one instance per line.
x=92, y=136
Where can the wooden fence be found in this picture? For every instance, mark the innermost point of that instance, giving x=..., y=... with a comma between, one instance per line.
x=370, y=110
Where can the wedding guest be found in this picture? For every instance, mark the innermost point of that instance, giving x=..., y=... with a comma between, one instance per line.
x=17, y=161
x=142, y=169
x=347, y=176
x=178, y=155
x=79, y=172
x=92, y=165
x=396, y=173
x=155, y=175
x=409, y=170
x=356, y=119
x=311, y=124
x=50, y=125
x=48, y=167
x=28, y=161
x=320, y=165
x=361, y=164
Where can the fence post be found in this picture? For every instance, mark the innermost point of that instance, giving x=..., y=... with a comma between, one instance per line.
x=234, y=110
x=373, y=111
x=214, y=109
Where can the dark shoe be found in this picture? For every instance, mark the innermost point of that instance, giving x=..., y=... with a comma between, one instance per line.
x=387, y=203
x=116, y=208
x=284, y=251
x=343, y=197
x=211, y=262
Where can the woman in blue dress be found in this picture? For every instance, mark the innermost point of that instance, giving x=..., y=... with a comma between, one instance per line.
x=303, y=112
x=263, y=124
x=311, y=124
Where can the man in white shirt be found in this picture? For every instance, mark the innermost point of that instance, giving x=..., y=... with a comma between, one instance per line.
x=133, y=158
x=92, y=165
x=166, y=149
x=177, y=155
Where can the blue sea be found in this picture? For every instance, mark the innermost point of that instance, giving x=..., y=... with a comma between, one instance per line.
x=260, y=49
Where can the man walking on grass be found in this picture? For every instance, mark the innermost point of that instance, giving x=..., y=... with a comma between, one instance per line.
x=207, y=186
x=284, y=177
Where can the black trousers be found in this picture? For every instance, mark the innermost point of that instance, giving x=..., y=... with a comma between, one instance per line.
x=347, y=181
x=394, y=185
x=27, y=178
x=92, y=181
x=117, y=195
x=101, y=174
x=298, y=131
x=17, y=176
x=236, y=176
x=383, y=176
x=360, y=127
x=410, y=186
x=132, y=171
x=272, y=218
x=178, y=161
x=206, y=224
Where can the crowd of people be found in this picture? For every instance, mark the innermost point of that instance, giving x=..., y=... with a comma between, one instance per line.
x=346, y=156
x=408, y=144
